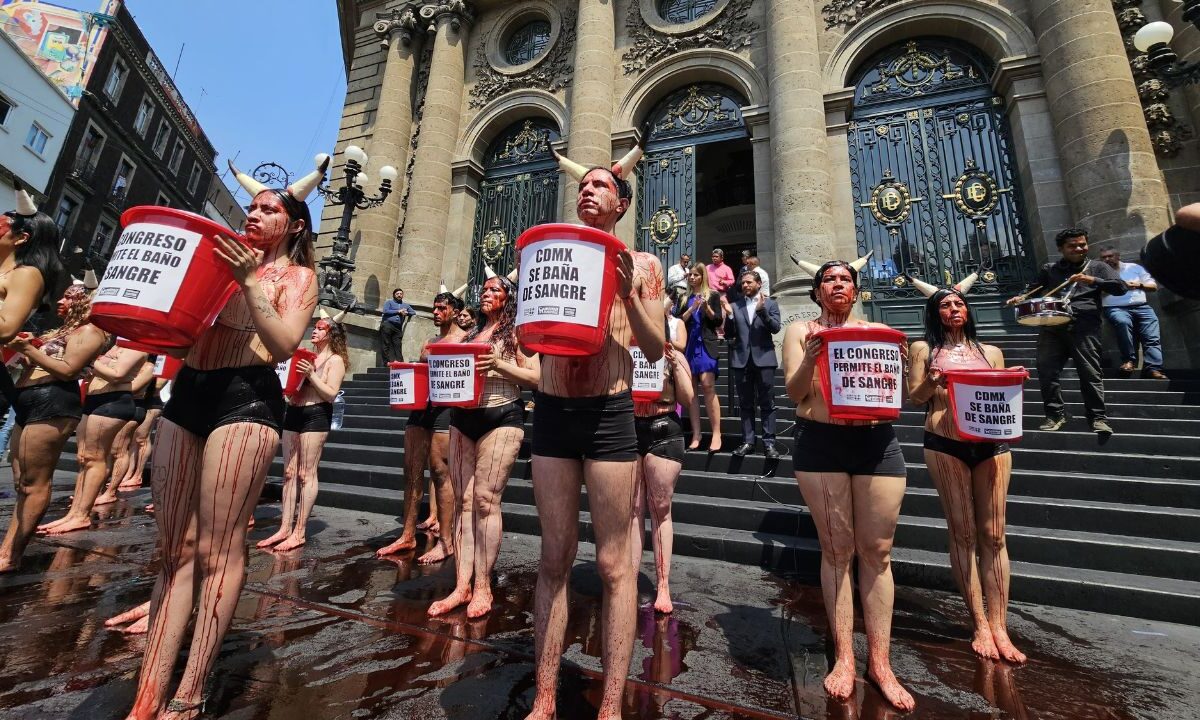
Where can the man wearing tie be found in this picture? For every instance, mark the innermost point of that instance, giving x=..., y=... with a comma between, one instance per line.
x=755, y=318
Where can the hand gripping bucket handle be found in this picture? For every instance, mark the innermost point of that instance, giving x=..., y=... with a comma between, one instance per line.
x=869, y=378
x=987, y=405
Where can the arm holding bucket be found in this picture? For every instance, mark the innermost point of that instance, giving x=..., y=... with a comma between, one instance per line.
x=117, y=369
x=23, y=292
x=524, y=370
x=800, y=353
x=923, y=382
x=82, y=346
x=326, y=387
x=638, y=284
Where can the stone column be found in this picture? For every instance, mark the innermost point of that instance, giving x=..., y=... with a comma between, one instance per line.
x=421, y=249
x=390, y=137
x=1114, y=186
x=800, y=180
x=589, y=137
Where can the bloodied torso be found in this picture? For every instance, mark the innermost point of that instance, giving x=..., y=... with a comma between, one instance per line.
x=814, y=407
x=966, y=356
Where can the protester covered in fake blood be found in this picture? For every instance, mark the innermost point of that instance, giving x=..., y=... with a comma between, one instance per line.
x=852, y=476
x=305, y=428
x=427, y=444
x=484, y=442
x=583, y=432
x=971, y=477
x=219, y=432
x=48, y=408
x=128, y=466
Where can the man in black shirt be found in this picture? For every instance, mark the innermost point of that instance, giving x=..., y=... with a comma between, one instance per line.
x=1079, y=339
x=1174, y=256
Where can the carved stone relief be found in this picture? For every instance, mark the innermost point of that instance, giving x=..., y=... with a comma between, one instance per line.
x=553, y=73
x=847, y=13
x=731, y=29
x=1167, y=133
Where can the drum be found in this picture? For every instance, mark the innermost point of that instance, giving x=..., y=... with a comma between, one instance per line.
x=1044, y=312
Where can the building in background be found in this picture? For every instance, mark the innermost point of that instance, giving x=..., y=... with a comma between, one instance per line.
x=35, y=115
x=221, y=206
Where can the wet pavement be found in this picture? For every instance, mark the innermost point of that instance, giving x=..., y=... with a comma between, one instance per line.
x=329, y=631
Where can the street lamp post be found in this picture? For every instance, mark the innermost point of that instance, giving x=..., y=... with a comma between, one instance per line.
x=1154, y=39
x=337, y=268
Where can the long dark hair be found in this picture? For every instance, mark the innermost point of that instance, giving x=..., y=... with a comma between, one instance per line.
x=337, y=342
x=300, y=245
x=40, y=251
x=935, y=333
x=506, y=326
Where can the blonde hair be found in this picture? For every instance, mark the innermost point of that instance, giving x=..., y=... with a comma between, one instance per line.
x=704, y=290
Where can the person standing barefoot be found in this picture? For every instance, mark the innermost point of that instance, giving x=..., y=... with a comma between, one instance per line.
x=124, y=447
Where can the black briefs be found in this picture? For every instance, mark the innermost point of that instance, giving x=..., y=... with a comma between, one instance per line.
x=150, y=402
x=57, y=399
x=139, y=414
x=434, y=418
x=118, y=405
x=204, y=400
x=849, y=449
x=477, y=422
x=970, y=453
x=308, y=418
x=594, y=428
x=661, y=436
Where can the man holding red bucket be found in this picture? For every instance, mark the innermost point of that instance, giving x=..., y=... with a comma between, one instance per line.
x=583, y=433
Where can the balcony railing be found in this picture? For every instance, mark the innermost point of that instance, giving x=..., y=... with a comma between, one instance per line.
x=84, y=171
x=117, y=198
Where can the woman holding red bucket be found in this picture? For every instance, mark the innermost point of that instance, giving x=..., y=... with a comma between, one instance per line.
x=484, y=442
x=971, y=477
x=48, y=408
x=306, y=427
x=852, y=476
x=702, y=312
x=106, y=410
x=218, y=434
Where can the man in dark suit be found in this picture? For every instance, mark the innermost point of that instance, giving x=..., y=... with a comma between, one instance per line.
x=755, y=318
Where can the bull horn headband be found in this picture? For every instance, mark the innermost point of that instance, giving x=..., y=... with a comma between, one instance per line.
x=334, y=318
x=962, y=286
x=489, y=273
x=812, y=269
x=25, y=205
x=300, y=190
x=622, y=168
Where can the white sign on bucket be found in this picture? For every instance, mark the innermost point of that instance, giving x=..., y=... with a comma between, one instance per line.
x=988, y=412
x=160, y=364
x=648, y=376
x=147, y=266
x=561, y=281
x=282, y=370
x=865, y=374
x=402, y=386
x=451, y=378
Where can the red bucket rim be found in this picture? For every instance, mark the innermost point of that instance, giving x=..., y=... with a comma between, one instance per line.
x=397, y=365
x=888, y=334
x=134, y=214
x=583, y=232
x=995, y=375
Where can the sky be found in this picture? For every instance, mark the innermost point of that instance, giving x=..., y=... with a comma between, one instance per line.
x=265, y=78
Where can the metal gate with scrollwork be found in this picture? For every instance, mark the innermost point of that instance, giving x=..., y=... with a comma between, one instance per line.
x=934, y=182
x=519, y=190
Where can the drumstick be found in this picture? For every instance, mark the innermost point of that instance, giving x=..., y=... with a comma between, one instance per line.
x=1060, y=287
x=1023, y=298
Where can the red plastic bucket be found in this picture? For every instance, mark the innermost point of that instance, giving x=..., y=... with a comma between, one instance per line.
x=292, y=379
x=648, y=377
x=164, y=285
x=167, y=367
x=408, y=385
x=987, y=405
x=454, y=380
x=862, y=372
x=567, y=284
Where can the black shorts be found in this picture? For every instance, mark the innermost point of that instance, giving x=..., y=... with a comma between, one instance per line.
x=118, y=405
x=308, y=418
x=970, y=453
x=150, y=402
x=849, y=449
x=431, y=419
x=661, y=436
x=204, y=400
x=595, y=428
x=58, y=399
x=477, y=422
x=139, y=414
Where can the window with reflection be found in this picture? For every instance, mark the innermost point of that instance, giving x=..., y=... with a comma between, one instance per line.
x=684, y=11
x=527, y=42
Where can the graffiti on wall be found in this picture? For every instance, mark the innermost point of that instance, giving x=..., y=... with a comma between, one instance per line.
x=63, y=43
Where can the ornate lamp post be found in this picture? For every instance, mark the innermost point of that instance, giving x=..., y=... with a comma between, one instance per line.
x=1154, y=39
x=337, y=267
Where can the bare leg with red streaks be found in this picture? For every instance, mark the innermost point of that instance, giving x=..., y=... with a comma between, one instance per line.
x=36, y=449
x=124, y=453
x=95, y=439
x=462, y=474
x=991, y=493
x=416, y=456
x=143, y=438
x=443, y=498
x=311, y=445
x=659, y=478
x=495, y=454
x=291, y=482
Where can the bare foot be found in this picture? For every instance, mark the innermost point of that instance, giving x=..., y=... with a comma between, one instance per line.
x=694, y=444
x=436, y=555
x=481, y=604
x=406, y=542
x=983, y=645
x=106, y=499
x=542, y=709
x=71, y=526
x=663, y=603
x=276, y=538
x=455, y=599
x=137, y=613
x=427, y=523
x=891, y=689
x=293, y=542
x=434, y=529
x=715, y=445
x=149, y=507
x=45, y=527
x=1005, y=647
x=133, y=484
x=839, y=683
x=141, y=627
x=182, y=710
x=7, y=565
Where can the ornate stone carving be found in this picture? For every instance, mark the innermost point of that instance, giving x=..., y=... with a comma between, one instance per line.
x=731, y=29
x=460, y=13
x=847, y=13
x=553, y=73
x=401, y=21
x=1167, y=133
x=418, y=114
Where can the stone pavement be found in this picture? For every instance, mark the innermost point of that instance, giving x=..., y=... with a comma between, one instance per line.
x=331, y=632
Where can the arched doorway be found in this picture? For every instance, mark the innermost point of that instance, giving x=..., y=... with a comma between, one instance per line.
x=696, y=182
x=934, y=180
x=519, y=190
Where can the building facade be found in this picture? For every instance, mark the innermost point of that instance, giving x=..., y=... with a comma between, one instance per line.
x=35, y=115
x=943, y=136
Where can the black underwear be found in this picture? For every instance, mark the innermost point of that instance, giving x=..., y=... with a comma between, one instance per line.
x=150, y=402
x=970, y=453
x=308, y=418
x=47, y=401
x=204, y=400
x=118, y=405
x=431, y=419
x=477, y=422
x=661, y=436
x=139, y=414
x=595, y=428
x=849, y=449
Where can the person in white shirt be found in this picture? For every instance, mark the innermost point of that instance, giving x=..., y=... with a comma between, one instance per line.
x=677, y=274
x=1132, y=317
x=763, y=278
